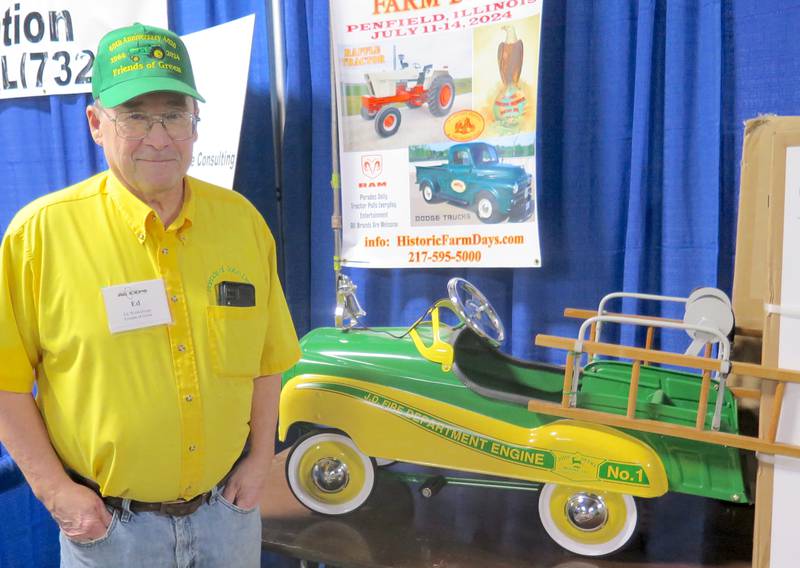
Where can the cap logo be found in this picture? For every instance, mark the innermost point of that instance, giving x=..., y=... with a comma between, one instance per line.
x=156, y=52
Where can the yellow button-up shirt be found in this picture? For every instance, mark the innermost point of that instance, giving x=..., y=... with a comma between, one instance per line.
x=157, y=413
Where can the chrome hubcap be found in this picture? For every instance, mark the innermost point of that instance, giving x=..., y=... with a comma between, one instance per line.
x=484, y=208
x=428, y=193
x=330, y=475
x=586, y=512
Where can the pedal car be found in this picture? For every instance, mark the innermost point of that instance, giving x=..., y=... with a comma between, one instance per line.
x=596, y=433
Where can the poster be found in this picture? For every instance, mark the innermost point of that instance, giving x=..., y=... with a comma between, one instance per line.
x=436, y=122
x=48, y=46
x=223, y=84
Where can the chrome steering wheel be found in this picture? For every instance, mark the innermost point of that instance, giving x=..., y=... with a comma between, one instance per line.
x=476, y=311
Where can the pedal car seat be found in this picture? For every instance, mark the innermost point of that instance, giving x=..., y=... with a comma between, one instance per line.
x=493, y=374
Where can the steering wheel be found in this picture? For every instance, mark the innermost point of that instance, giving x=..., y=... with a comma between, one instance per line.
x=476, y=311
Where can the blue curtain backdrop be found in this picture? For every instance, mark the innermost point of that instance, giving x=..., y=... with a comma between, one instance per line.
x=641, y=110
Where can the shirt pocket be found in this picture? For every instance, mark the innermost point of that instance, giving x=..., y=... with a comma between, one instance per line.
x=236, y=340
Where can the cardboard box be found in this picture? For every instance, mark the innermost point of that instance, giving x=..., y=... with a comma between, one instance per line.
x=760, y=220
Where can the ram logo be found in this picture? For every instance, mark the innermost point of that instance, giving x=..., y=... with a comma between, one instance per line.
x=372, y=165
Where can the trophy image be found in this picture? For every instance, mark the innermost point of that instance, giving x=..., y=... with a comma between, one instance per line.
x=509, y=105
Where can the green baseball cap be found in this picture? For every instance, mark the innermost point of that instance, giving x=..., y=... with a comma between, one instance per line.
x=141, y=59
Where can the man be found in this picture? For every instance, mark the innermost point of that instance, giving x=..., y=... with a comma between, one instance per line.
x=147, y=307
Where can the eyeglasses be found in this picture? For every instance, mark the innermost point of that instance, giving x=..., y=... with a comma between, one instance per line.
x=136, y=125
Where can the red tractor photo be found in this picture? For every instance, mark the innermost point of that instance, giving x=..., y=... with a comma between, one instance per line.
x=414, y=87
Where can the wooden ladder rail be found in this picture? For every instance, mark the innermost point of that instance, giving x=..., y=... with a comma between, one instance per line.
x=764, y=445
x=705, y=386
x=777, y=404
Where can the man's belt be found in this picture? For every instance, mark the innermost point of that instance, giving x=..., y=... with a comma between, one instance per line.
x=179, y=508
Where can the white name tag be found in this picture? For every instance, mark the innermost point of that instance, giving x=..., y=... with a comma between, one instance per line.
x=136, y=305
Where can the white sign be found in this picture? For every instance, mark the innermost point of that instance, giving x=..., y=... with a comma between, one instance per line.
x=221, y=62
x=786, y=497
x=437, y=118
x=48, y=46
x=136, y=305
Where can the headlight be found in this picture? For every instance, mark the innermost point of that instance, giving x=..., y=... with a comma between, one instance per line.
x=516, y=188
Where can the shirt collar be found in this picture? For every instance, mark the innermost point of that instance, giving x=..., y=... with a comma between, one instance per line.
x=137, y=213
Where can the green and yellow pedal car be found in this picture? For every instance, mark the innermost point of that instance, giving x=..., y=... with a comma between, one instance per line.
x=596, y=433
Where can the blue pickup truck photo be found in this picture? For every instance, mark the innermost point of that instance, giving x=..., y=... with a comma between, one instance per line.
x=475, y=178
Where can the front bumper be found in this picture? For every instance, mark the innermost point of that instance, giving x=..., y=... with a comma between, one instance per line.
x=521, y=210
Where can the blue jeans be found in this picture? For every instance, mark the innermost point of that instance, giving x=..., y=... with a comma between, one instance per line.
x=217, y=535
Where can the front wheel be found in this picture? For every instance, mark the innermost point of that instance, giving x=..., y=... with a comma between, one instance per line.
x=486, y=208
x=387, y=121
x=328, y=473
x=585, y=522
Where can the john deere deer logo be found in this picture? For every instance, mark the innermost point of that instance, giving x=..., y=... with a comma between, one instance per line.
x=372, y=165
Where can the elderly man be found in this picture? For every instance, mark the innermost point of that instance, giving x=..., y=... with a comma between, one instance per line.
x=146, y=307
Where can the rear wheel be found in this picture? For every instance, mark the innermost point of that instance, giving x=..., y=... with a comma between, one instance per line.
x=585, y=522
x=328, y=473
x=387, y=121
x=427, y=193
x=441, y=95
